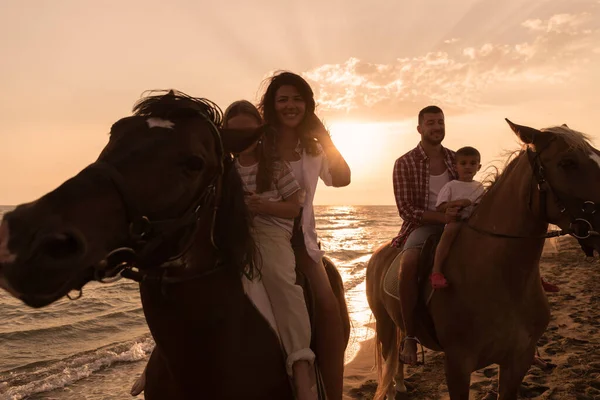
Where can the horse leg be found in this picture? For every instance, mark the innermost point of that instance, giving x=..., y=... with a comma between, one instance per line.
x=512, y=374
x=400, y=385
x=337, y=284
x=458, y=375
x=158, y=379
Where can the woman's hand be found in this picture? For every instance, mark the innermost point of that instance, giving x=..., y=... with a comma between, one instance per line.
x=317, y=130
x=254, y=202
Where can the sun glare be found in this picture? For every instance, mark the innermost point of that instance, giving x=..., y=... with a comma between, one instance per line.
x=358, y=143
x=367, y=147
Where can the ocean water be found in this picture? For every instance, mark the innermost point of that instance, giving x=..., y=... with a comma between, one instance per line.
x=95, y=347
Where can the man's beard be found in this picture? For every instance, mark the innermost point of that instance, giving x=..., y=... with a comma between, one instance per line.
x=439, y=137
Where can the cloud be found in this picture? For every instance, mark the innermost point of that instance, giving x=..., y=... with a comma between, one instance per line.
x=460, y=79
x=559, y=23
x=451, y=41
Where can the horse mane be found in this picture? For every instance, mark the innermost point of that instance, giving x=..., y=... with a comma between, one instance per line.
x=232, y=234
x=574, y=140
x=491, y=178
x=233, y=239
x=176, y=104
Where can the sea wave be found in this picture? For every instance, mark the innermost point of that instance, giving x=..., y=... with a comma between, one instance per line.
x=44, y=377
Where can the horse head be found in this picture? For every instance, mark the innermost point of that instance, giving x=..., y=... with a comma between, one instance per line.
x=155, y=184
x=566, y=172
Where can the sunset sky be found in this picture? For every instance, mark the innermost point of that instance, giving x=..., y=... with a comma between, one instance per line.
x=71, y=68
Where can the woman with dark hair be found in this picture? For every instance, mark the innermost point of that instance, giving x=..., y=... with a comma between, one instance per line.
x=300, y=138
x=273, y=196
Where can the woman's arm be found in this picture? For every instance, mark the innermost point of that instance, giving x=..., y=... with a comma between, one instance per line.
x=288, y=208
x=338, y=167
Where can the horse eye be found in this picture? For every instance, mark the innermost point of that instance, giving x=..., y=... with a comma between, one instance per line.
x=568, y=164
x=194, y=163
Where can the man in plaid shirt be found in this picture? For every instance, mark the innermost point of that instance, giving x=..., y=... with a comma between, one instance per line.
x=418, y=177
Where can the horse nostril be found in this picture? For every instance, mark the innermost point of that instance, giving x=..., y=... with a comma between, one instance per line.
x=60, y=245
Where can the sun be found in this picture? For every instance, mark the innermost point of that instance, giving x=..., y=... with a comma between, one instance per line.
x=359, y=143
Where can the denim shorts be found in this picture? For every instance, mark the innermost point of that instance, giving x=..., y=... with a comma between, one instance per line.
x=417, y=238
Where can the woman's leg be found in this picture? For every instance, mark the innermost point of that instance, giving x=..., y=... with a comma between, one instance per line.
x=441, y=253
x=329, y=332
x=287, y=302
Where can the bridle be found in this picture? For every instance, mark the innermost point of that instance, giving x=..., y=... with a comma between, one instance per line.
x=138, y=254
x=580, y=212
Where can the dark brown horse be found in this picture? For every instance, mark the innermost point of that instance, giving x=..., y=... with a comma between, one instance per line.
x=163, y=205
x=495, y=310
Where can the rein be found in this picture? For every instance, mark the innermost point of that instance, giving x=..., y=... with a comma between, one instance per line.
x=135, y=258
x=580, y=226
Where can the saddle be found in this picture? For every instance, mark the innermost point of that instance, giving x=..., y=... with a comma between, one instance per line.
x=390, y=281
x=425, y=266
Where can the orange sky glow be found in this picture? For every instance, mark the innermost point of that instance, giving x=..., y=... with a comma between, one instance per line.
x=70, y=69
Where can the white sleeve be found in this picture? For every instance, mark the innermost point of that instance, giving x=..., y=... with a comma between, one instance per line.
x=445, y=194
x=324, y=173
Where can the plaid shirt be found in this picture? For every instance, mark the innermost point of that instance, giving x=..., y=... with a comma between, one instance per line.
x=411, y=188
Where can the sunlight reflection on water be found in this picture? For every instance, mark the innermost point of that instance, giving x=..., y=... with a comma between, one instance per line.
x=349, y=235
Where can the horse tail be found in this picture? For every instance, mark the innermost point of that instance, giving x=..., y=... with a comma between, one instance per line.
x=387, y=339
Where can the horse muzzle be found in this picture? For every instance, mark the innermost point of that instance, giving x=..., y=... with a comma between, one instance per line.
x=42, y=266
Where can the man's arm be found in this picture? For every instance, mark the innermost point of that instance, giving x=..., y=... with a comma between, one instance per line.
x=436, y=217
x=407, y=210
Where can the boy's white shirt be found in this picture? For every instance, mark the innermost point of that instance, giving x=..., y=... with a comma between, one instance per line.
x=459, y=190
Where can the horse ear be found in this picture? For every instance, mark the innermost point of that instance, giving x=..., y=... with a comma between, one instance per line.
x=526, y=134
x=238, y=140
x=565, y=125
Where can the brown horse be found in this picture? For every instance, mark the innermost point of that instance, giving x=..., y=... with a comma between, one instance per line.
x=495, y=310
x=163, y=205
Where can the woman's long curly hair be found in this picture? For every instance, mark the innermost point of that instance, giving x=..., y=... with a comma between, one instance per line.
x=265, y=151
x=267, y=107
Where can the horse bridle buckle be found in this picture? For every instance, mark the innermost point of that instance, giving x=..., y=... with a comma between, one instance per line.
x=589, y=207
x=116, y=261
x=587, y=226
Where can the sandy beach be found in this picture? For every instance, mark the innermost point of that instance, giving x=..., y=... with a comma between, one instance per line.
x=571, y=343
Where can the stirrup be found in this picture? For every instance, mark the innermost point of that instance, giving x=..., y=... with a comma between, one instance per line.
x=416, y=339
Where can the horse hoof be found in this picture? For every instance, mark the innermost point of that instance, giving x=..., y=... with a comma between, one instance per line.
x=401, y=387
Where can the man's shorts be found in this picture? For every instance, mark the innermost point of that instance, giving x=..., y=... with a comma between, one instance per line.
x=417, y=238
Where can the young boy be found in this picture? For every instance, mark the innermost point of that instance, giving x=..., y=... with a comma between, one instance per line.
x=464, y=194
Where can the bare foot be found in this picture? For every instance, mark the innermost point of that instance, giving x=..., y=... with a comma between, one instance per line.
x=409, y=351
x=138, y=386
